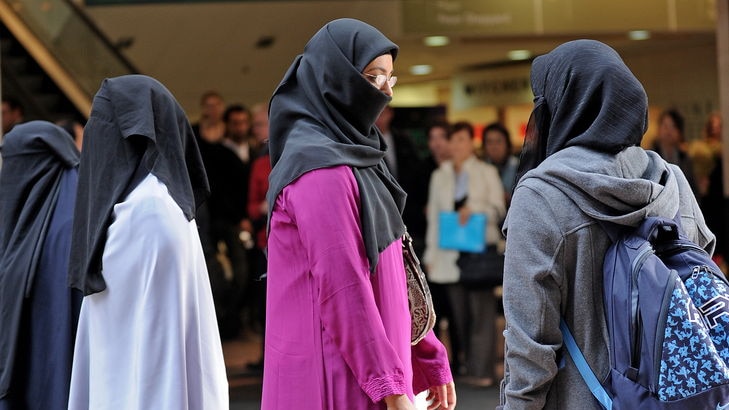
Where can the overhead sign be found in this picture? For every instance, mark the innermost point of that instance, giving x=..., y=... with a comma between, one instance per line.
x=494, y=87
x=555, y=16
x=133, y=2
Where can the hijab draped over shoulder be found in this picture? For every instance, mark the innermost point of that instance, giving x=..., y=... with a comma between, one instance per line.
x=322, y=115
x=586, y=96
x=136, y=127
x=35, y=156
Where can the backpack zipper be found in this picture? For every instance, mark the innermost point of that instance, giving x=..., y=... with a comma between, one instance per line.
x=674, y=248
x=636, y=325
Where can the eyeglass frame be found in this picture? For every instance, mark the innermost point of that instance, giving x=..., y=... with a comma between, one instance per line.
x=379, y=80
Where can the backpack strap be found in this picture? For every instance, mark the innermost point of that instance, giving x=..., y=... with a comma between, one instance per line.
x=587, y=375
x=652, y=229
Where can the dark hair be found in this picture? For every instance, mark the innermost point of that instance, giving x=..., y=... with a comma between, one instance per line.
x=233, y=109
x=461, y=126
x=675, y=116
x=499, y=127
x=13, y=103
x=438, y=124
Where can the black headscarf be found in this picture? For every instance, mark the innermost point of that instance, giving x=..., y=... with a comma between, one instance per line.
x=323, y=115
x=35, y=156
x=586, y=96
x=136, y=127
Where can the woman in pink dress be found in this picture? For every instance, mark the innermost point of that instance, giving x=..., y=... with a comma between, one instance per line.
x=337, y=322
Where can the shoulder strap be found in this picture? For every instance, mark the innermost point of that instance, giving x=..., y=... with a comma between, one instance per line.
x=587, y=375
x=651, y=228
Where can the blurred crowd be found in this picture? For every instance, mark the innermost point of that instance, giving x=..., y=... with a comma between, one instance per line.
x=233, y=145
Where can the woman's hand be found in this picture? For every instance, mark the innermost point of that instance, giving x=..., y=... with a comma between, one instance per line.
x=463, y=214
x=399, y=402
x=442, y=397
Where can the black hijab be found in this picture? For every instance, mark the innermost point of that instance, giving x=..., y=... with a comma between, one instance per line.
x=586, y=96
x=323, y=115
x=136, y=127
x=35, y=156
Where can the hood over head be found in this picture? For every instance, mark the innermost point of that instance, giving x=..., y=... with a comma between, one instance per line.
x=38, y=173
x=585, y=96
x=136, y=127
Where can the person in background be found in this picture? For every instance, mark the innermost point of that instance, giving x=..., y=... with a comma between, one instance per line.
x=259, y=115
x=406, y=166
x=226, y=217
x=466, y=185
x=12, y=113
x=581, y=166
x=707, y=159
x=209, y=132
x=258, y=213
x=337, y=318
x=38, y=311
x=705, y=152
x=75, y=128
x=499, y=153
x=147, y=336
x=211, y=126
x=437, y=134
x=669, y=144
x=238, y=132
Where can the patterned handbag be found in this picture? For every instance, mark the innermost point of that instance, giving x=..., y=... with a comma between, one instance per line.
x=419, y=300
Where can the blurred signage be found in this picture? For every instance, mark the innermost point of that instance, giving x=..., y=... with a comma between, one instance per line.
x=467, y=16
x=555, y=16
x=133, y=2
x=494, y=87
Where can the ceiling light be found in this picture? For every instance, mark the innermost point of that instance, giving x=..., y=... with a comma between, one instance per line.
x=639, y=35
x=436, y=41
x=519, y=54
x=421, y=69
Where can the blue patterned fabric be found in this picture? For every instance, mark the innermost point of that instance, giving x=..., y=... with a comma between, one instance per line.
x=690, y=363
x=712, y=295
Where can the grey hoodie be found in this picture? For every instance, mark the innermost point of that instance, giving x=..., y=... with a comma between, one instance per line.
x=554, y=255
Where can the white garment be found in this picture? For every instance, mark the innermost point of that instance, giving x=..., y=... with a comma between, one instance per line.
x=485, y=195
x=150, y=339
x=242, y=150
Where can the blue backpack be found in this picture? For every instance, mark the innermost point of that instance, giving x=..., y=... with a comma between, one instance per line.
x=667, y=312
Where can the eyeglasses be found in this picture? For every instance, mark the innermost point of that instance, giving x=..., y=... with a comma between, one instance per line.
x=379, y=80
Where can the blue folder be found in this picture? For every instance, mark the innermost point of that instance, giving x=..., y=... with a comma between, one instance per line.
x=465, y=238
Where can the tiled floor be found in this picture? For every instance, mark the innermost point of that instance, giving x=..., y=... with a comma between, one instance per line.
x=245, y=385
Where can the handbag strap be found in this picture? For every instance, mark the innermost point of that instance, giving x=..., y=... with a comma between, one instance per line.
x=587, y=375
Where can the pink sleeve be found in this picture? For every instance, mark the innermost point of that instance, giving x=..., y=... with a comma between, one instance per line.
x=327, y=217
x=430, y=364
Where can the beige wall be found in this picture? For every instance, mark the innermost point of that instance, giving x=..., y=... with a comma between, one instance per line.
x=684, y=78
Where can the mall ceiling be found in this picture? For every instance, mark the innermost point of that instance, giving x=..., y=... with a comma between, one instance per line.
x=243, y=48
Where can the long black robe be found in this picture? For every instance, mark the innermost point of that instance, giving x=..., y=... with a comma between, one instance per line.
x=38, y=312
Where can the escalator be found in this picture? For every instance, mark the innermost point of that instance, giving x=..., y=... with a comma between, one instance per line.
x=54, y=58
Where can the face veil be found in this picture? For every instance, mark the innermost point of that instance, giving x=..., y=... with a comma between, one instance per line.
x=322, y=115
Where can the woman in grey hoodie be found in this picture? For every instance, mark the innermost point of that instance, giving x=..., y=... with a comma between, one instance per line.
x=581, y=164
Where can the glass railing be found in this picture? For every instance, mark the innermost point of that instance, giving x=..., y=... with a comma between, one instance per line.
x=73, y=40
